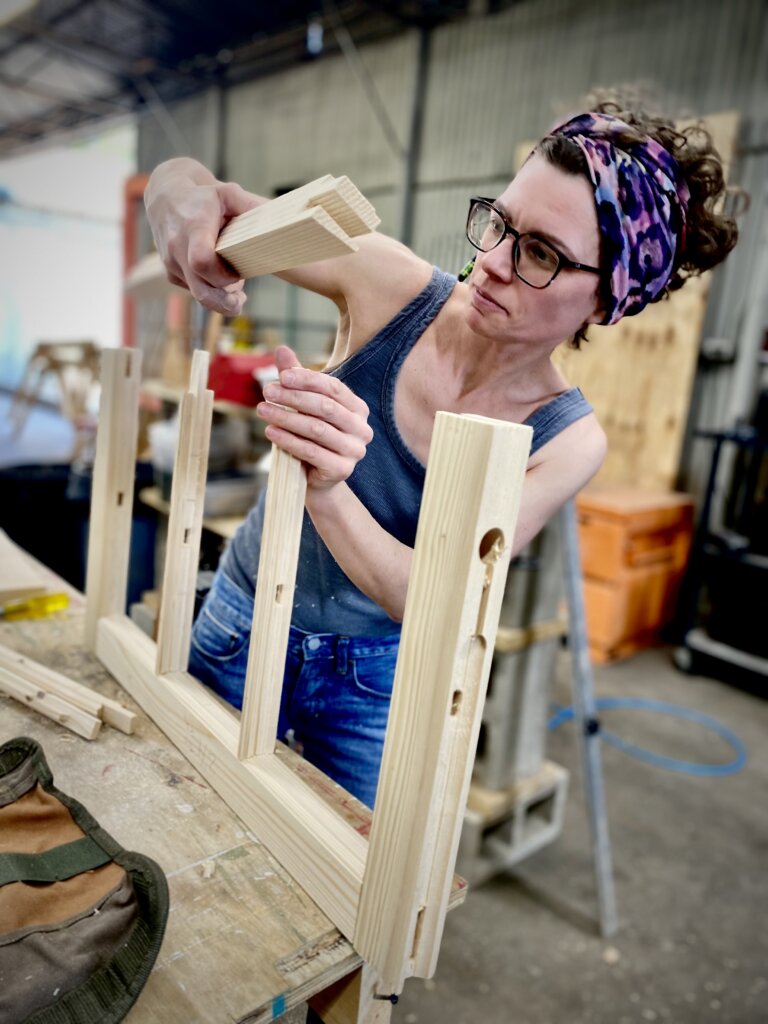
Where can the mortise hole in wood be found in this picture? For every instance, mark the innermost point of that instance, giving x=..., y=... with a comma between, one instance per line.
x=491, y=546
x=186, y=535
x=120, y=497
x=417, y=931
x=279, y=593
x=456, y=702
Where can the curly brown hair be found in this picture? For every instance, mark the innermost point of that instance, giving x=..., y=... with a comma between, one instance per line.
x=710, y=233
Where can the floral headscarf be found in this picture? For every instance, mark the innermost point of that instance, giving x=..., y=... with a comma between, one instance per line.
x=642, y=199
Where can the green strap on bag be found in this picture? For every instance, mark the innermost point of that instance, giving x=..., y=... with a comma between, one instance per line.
x=81, y=920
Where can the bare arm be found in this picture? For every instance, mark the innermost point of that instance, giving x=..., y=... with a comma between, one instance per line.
x=187, y=207
x=557, y=473
x=320, y=421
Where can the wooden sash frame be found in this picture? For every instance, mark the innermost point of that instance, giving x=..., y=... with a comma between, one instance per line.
x=387, y=893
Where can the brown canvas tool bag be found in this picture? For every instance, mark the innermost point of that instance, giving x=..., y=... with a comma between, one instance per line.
x=81, y=919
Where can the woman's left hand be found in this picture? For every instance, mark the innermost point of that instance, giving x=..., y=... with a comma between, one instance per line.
x=316, y=418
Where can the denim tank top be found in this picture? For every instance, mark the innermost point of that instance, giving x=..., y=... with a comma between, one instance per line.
x=388, y=481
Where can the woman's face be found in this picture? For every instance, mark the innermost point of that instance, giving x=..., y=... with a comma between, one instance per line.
x=560, y=208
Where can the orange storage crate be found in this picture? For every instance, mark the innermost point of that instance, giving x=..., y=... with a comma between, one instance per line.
x=634, y=550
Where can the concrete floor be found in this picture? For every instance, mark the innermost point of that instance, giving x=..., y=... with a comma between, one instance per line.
x=691, y=876
x=690, y=856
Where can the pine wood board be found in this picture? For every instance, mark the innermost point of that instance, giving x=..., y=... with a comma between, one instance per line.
x=320, y=851
x=185, y=521
x=69, y=690
x=49, y=704
x=18, y=578
x=454, y=597
x=114, y=471
x=273, y=604
x=314, y=222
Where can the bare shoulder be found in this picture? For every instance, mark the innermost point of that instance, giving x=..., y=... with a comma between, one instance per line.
x=578, y=450
x=557, y=472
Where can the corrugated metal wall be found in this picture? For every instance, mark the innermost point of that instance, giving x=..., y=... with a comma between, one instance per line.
x=494, y=82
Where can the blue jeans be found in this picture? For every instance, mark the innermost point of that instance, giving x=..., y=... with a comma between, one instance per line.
x=336, y=689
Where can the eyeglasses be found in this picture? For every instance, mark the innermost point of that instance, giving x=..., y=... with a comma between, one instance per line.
x=536, y=262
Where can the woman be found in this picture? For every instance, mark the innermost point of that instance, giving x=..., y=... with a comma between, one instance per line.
x=610, y=211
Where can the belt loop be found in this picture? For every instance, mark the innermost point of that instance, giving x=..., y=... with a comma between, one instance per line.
x=342, y=655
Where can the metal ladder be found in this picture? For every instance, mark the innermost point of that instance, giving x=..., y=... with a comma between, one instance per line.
x=587, y=722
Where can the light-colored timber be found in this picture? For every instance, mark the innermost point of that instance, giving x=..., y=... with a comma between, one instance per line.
x=58, y=685
x=18, y=579
x=468, y=515
x=273, y=604
x=351, y=1000
x=185, y=521
x=324, y=854
x=114, y=472
x=315, y=222
x=48, y=704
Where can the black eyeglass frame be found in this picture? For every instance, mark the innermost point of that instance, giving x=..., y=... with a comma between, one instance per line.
x=562, y=259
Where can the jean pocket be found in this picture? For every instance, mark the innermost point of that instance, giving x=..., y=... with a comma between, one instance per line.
x=217, y=640
x=222, y=629
x=375, y=673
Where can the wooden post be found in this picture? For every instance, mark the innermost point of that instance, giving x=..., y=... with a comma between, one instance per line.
x=351, y=1000
x=114, y=471
x=273, y=604
x=468, y=516
x=185, y=521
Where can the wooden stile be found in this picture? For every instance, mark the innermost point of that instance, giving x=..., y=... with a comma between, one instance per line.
x=469, y=510
x=114, y=472
x=185, y=521
x=273, y=604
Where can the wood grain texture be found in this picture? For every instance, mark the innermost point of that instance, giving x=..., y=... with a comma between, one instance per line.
x=314, y=222
x=351, y=1000
x=59, y=685
x=48, y=704
x=312, y=842
x=114, y=471
x=273, y=604
x=185, y=521
x=18, y=579
x=468, y=515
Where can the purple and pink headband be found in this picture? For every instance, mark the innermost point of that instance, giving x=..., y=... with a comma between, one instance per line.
x=642, y=199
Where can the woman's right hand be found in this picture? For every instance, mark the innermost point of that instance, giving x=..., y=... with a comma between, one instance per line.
x=187, y=207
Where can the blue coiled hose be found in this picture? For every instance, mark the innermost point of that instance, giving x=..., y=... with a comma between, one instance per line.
x=660, y=760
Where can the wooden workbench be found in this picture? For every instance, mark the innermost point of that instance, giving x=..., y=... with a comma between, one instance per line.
x=243, y=941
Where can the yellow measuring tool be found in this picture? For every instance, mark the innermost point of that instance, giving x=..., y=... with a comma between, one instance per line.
x=35, y=607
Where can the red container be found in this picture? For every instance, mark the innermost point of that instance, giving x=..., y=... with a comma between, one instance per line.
x=231, y=376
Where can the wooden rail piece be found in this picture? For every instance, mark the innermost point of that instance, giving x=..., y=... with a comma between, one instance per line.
x=510, y=639
x=314, y=844
x=315, y=222
x=18, y=579
x=110, y=711
x=114, y=471
x=273, y=604
x=185, y=521
x=467, y=522
x=351, y=1000
x=48, y=704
